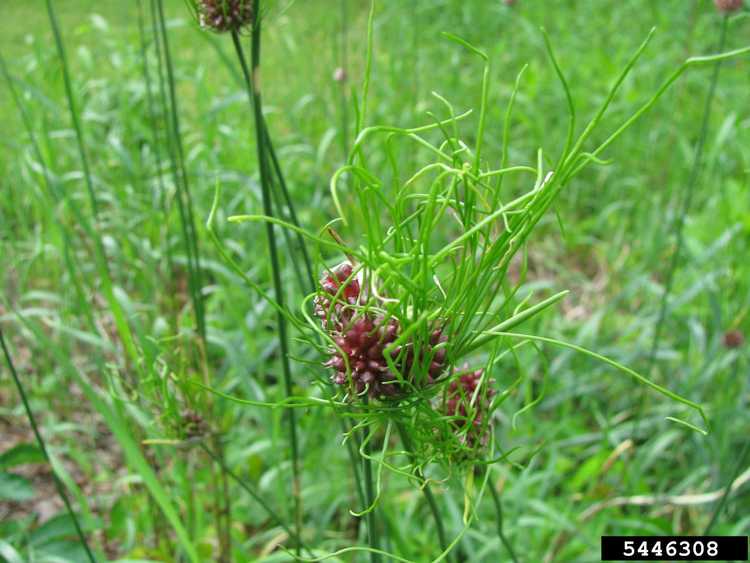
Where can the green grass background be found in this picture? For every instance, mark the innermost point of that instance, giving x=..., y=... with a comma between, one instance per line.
x=611, y=251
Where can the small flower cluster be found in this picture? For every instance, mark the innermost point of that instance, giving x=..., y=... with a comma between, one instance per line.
x=362, y=336
x=193, y=424
x=225, y=15
x=358, y=361
x=469, y=404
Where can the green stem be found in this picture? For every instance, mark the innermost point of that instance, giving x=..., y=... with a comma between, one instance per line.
x=43, y=448
x=499, y=517
x=426, y=490
x=345, y=427
x=687, y=201
x=679, y=227
x=344, y=65
x=288, y=203
x=150, y=104
x=741, y=461
x=184, y=199
x=372, y=527
x=252, y=79
x=352, y=447
x=290, y=207
x=190, y=241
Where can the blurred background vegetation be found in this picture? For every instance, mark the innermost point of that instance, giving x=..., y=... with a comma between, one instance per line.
x=584, y=451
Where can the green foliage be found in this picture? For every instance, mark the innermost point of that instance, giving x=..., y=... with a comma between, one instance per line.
x=20, y=454
x=15, y=487
x=172, y=446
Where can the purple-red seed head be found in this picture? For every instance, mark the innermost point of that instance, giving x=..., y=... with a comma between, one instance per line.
x=733, y=339
x=728, y=6
x=225, y=15
x=361, y=337
x=458, y=403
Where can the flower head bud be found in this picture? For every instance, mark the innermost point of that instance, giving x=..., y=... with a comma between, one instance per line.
x=728, y=6
x=333, y=305
x=193, y=424
x=733, y=339
x=225, y=15
x=361, y=336
x=469, y=403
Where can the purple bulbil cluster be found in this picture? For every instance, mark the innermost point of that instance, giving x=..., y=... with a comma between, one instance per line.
x=358, y=360
x=225, y=15
x=470, y=418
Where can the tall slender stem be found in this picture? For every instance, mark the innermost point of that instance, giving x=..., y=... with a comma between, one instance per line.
x=426, y=490
x=168, y=98
x=687, y=201
x=499, y=518
x=679, y=226
x=290, y=207
x=43, y=447
x=154, y=130
x=373, y=536
x=343, y=77
x=245, y=81
x=184, y=199
x=252, y=79
x=741, y=461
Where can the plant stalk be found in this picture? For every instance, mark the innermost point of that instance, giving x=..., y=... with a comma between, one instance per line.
x=426, y=489
x=150, y=104
x=679, y=227
x=373, y=536
x=344, y=66
x=184, y=198
x=499, y=517
x=252, y=79
x=687, y=201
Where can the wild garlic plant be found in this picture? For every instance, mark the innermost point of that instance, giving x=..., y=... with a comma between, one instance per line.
x=424, y=290
x=422, y=283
